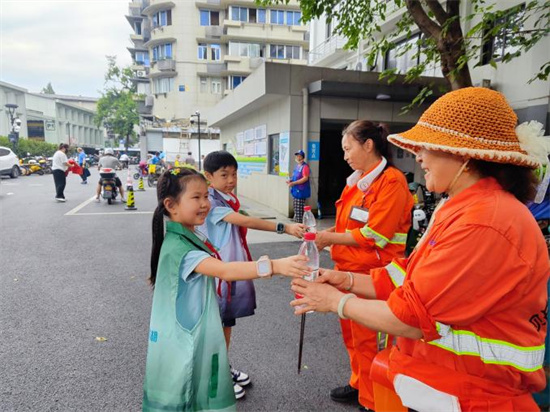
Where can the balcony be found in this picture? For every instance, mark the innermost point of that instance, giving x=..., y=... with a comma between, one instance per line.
x=166, y=65
x=215, y=69
x=261, y=33
x=328, y=52
x=136, y=37
x=157, y=6
x=213, y=32
x=209, y=4
x=134, y=10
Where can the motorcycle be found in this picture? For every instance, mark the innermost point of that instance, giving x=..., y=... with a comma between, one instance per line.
x=45, y=165
x=141, y=171
x=108, y=184
x=31, y=167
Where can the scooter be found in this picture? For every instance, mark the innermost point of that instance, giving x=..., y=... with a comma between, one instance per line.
x=108, y=184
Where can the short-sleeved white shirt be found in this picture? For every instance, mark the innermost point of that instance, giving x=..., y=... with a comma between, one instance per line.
x=58, y=159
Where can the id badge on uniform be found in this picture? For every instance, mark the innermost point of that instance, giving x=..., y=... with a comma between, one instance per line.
x=359, y=214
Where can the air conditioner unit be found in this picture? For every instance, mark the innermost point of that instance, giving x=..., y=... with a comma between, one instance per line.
x=141, y=73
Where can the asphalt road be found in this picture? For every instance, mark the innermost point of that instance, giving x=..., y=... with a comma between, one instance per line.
x=75, y=306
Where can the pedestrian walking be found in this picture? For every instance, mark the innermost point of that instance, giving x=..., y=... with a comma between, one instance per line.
x=469, y=306
x=187, y=367
x=226, y=228
x=83, y=165
x=299, y=184
x=60, y=164
x=373, y=216
x=190, y=160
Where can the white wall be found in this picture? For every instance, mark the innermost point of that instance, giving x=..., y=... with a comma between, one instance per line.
x=173, y=147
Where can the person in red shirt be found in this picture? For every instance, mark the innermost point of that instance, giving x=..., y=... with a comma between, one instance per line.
x=373, y=216
x=470, y=305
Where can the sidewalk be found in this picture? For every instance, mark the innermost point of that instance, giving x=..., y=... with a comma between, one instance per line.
x=261, y=211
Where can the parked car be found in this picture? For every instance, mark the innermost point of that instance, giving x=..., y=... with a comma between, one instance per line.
x=9, y=163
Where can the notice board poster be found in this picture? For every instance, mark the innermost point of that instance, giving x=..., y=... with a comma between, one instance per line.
x=284, y=153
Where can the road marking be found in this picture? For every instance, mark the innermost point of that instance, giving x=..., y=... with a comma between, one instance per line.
x=111, y=213
x=36, y=184
x=9, y=193
x=80, y=206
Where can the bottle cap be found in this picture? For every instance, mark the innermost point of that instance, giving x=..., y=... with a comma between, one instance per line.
x=307, y=208
x=309, y=236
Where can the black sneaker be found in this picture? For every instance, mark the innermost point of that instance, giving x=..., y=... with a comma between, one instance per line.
x=344, y=394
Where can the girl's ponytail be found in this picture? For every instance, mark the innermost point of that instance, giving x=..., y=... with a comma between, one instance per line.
x=158, y=237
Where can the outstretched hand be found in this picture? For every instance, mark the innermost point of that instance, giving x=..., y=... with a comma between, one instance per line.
x=296, y=229
x=318, y=297
x=339, y=280
x=321, y=240
x=293, y=266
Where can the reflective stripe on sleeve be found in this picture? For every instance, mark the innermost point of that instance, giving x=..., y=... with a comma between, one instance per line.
x=490, y=351
x=380, y=240
x=397, y=274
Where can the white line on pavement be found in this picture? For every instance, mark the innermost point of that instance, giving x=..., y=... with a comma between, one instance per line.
x=80, y=206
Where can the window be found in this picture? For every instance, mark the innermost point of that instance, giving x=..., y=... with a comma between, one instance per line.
x=261, y=15
x=293, y=18
x=328, y=30
x=209, y=18
x=402, y=59
x=245, y=49
x=277, y=17
x=252, y=15
x=276, y=51
x=142, y=58
x=239, y=13
x=162, y=18
x=203, y=85
x=216, y=52
x=137, y=27
x=163, y=85
x=502, y=44
x=235, y=81
x=162, y=52
x=216, y=86
x=292, y=52
x=202, y=52
x=273, y=154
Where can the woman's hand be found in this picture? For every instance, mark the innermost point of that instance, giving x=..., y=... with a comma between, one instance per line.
x=321, y=240
x=296, y=229
x=293, y=266
x=339, y=280
x=316, y=296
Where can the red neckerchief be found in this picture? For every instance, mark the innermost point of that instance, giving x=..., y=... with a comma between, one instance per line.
x=211, y=247
x=236, y=205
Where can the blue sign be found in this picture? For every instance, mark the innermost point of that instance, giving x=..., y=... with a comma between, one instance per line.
x=182, y=88
x=313, y=150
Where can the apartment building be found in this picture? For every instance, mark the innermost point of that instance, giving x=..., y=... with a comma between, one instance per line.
x=193, y=53
x=530, y=101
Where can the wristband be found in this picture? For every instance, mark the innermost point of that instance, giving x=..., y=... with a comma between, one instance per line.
x=351, y=278
x=342, y=303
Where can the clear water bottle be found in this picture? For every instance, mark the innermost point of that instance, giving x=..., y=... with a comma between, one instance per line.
x=309, y=249
x=309, y=220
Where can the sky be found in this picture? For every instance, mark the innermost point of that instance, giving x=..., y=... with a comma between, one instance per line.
x=63, y=42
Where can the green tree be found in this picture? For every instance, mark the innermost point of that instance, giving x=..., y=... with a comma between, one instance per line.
x=442, y=42
x=117, y=109
x=48, y=89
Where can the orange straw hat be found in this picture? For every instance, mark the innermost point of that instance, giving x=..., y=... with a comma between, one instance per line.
x=473, y=122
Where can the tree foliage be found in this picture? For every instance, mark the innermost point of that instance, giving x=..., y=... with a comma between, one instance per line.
x=117, y=109
x=442, y=42
x=34, y=147
x=48, y=89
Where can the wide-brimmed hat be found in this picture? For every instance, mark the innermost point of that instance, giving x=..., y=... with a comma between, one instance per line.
x=473, y=122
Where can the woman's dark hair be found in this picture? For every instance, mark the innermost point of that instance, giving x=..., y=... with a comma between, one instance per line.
x=216, y=160
x=519, y=181
x=363, y=130
x=63, y=146
x=172, y=183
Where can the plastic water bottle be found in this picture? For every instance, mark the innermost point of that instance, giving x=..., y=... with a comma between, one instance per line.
x=309, y=220
x=309, y=249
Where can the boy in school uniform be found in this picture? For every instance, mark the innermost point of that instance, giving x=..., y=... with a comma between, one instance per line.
x=226, y=228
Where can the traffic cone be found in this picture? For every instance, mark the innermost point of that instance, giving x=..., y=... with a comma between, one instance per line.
x=141, y=185
x=130, y=201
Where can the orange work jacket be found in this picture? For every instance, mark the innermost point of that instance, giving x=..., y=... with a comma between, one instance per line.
x=477, y=289
x=383, y=236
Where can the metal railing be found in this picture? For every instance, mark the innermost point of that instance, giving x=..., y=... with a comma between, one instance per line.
x=327, y=47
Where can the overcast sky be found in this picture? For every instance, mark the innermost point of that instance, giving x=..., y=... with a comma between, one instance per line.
x=63, y=42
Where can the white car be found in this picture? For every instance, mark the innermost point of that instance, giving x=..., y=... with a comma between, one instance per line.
x=9, y=163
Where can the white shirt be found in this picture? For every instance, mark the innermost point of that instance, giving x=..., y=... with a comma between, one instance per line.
x=58, y=159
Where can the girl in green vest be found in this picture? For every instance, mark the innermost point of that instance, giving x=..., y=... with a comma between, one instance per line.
x=187, y=367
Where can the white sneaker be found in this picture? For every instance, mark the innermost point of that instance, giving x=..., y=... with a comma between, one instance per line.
x=239, y=377
x=239, y=391
x=60, y=199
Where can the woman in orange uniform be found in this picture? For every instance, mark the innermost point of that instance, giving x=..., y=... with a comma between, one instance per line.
x=372, y=219
x=470, y=304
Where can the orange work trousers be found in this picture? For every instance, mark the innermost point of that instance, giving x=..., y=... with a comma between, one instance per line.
x=362, y=346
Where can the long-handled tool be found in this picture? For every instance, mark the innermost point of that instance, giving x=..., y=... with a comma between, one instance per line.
x=301, y=344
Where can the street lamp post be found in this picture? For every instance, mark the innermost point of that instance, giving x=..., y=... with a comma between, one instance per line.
x=198, y=115
x=15, y=124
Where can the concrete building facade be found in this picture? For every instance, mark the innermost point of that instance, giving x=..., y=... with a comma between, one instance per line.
x=530, y=101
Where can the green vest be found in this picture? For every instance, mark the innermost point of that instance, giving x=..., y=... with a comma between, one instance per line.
x=186, y=369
